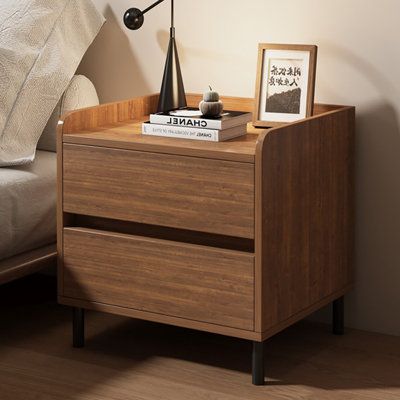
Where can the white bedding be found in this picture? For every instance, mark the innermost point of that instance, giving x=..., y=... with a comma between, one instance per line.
x=41, y=44
x=28, y=205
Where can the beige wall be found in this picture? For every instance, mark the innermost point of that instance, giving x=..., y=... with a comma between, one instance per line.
x=359, y=63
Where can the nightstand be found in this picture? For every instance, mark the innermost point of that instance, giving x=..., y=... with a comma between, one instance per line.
x=241, y=238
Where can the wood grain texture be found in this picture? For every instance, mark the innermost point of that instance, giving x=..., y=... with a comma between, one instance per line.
x=105, y=115
x=60, y=207
x=108, y=114
x=296, y=204
x=127, y=136
x=117, y=125
x=182, y=192
x=132, y=109
x=304, y=209
x=165, y=233
x=27, y=263
x=161, y=318
x=169, y=278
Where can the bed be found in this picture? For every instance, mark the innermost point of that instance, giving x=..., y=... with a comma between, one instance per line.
x=28, y=196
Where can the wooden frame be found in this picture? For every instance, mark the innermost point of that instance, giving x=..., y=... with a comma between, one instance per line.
x=261, y=95
x=27, y=263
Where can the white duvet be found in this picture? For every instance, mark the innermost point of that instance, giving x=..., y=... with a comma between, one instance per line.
x=41, y=45
x=28, y=205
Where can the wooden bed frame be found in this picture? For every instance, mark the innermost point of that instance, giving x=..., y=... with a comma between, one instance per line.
x=27, y=263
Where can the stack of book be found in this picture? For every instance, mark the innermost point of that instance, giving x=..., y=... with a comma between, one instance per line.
x=190, y=124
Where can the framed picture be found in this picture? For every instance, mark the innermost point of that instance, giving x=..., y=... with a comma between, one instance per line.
x=285, y=83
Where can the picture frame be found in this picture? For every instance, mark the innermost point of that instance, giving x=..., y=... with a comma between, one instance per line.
x=285, y=83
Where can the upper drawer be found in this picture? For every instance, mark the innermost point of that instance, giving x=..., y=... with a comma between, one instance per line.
x=191, y=193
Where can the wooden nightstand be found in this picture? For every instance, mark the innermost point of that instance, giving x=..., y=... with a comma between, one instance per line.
x=241, y=238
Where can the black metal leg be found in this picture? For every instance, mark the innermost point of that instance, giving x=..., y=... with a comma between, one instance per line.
x=258, y=363
x=338, y=316
x=78, y=327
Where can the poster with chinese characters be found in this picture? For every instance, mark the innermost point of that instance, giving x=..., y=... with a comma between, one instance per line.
x=284, y=86
x=285, y=89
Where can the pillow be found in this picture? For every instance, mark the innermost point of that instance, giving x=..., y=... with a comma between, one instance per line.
x=80, y=93
x=41, y=45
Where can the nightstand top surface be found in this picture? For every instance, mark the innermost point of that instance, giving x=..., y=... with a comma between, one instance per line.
x=127, y=135
x=119, y=126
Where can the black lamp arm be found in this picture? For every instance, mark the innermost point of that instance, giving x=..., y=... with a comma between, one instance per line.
x=134, y=18
x=152, y=6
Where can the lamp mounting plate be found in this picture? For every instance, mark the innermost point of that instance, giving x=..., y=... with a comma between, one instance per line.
x=133, y=18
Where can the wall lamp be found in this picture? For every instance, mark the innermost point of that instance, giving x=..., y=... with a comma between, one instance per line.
x=172, y=94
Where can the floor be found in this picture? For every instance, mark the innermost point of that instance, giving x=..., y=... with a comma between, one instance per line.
x=127, y=359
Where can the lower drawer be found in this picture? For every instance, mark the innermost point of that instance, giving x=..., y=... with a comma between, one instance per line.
x=176, y=279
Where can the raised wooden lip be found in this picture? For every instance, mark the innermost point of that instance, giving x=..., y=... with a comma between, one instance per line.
x=334, y=110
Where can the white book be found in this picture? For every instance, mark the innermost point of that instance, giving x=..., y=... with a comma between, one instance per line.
x=192, y=118
x=181, y=132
